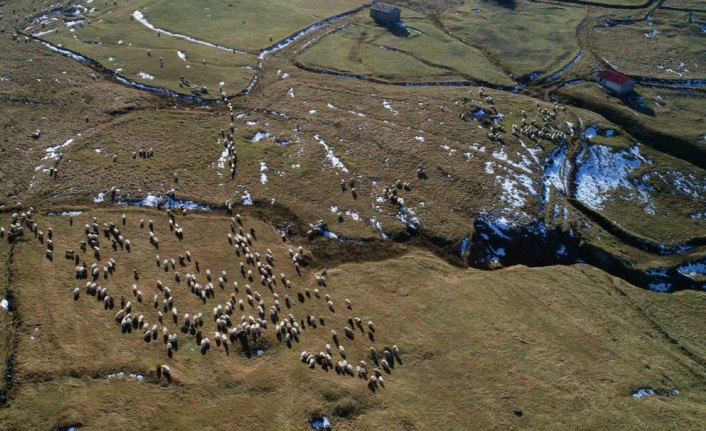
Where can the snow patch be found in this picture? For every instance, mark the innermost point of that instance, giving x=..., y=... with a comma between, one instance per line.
x=335, y=161
x=260, y=135
x=142, y=20
x=388, y=106
x=602, y=170
x=145, y=75
x=246, y=199
x=263, y=174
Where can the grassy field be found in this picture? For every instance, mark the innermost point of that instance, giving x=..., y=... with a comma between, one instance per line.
x=694, y=5
x=568, y=345
x=676, y=112
x=513, y=37
x=426, y=54
x=246, y=25
x=668, y=46
x=111, y=38
x=618, y=2
x=495, y=346
x=55, y=95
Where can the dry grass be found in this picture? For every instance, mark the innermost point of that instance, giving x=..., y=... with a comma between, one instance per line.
x=667, y=46
x=564, y=344
x=568, y=345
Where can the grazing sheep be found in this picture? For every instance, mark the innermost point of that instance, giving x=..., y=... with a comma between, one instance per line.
x=165, y=371
x=77, y=292
x=388, y=356
x=330, y=306
x=349, y=332
x=120, y=315
x=371, y=326
x=373, y=354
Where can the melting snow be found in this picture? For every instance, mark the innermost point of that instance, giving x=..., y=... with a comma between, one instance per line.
x=263, y=175
x=5, y=304
x=52, y=152
x=388, y=106
x=247, y=200
x=223, y=158
x=142, y=20
x=99, y=198
x=152, y=200
x=259, y=136
x=353, y=215
x=645, y=392
x=335, y=161
x=419, y=138
x=693, y=269
x=183, y=56
x=602, y=170
x=120, y=374
x=65, y=213
x=144, y=75
x=590, y=132
x=290, y=93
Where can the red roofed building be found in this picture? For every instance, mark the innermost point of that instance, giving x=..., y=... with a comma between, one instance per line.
x=615, y=82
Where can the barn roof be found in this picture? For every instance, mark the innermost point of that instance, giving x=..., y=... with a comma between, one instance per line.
x=383, y=7
x=612, y=76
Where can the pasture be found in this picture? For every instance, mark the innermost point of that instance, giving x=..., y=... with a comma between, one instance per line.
x=513, y=37
x=444, y=342
x=666, y=45
x=111, y=38
x=427, y=53
x=392, y=211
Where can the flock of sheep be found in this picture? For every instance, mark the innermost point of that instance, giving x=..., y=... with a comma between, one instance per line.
x=246, y=305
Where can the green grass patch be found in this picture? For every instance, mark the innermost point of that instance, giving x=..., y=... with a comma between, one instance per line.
x=242, y=24
x=120, y=44
x=532, y=37
x=427, y=53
